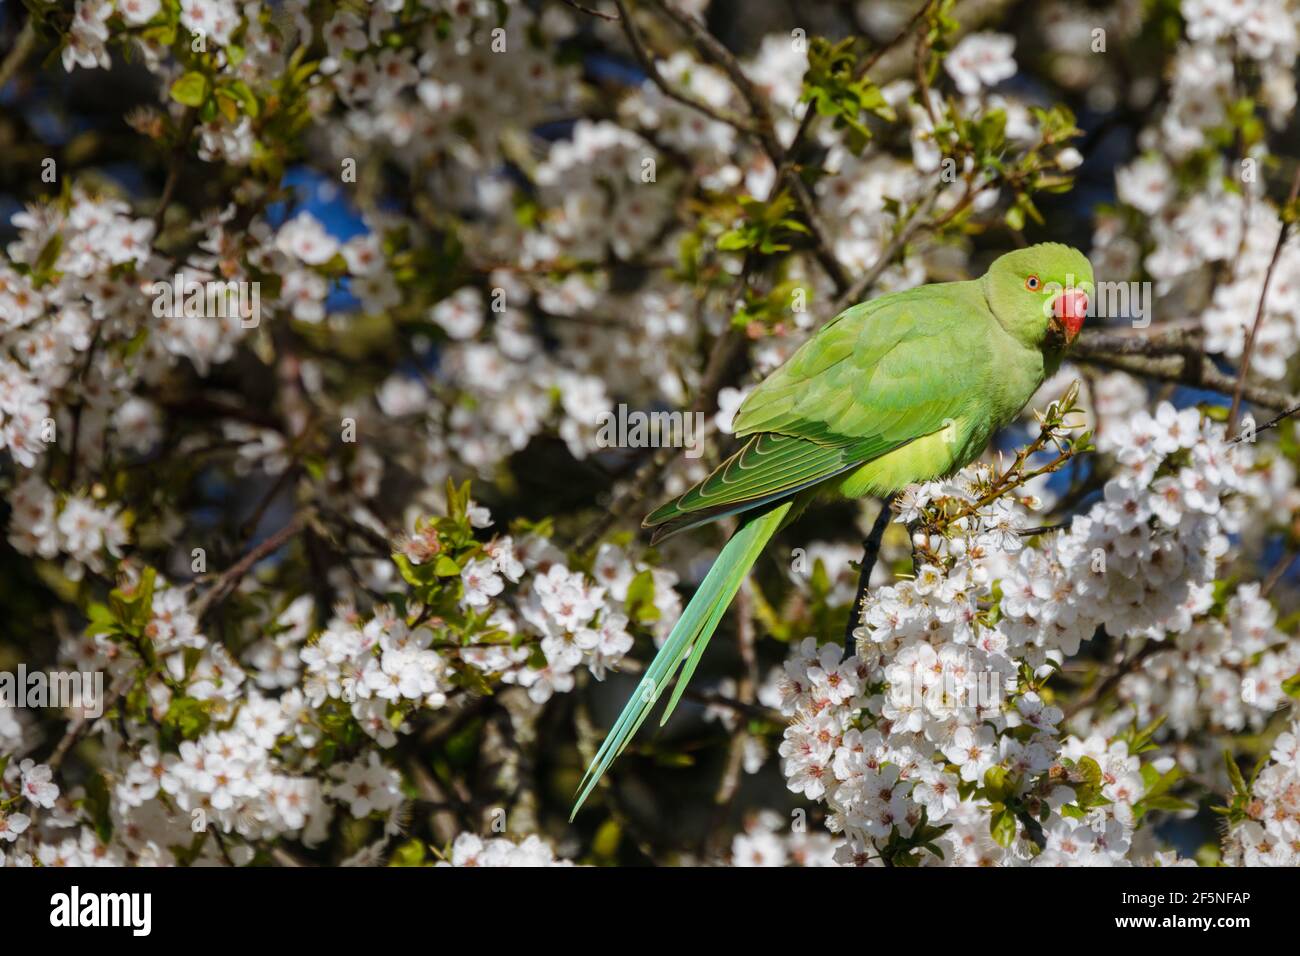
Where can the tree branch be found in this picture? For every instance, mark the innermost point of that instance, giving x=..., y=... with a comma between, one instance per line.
x=1125, y=667
x=870, y=554
x=1271, y=423
x=174, y=164
x=17, y=55
x=590, y=11
x=859, y=288
x=1194, y=369
x=647, y=61
x=1244, y=368
x=79, y=723
x=764, y=131
x=726, y=350
x=235, y=573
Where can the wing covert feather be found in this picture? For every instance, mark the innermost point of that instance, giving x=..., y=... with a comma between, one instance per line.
x=879, y=375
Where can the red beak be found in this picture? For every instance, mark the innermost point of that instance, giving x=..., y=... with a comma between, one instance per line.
x=1071, y=307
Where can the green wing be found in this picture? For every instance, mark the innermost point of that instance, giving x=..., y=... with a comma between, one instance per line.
x=876, y=377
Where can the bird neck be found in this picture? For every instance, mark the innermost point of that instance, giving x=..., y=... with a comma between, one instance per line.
x=1004, y=301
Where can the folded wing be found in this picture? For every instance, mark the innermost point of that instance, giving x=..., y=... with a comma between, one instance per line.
x=875, y=378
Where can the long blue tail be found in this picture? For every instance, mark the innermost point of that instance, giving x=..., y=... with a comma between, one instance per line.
x=689, y=637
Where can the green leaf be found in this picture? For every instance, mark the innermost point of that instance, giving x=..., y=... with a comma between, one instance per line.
x=191, y=89
x=457, y=500
x=1003, y=827
x=605, y=844
x=1234, y=774
x=240, y=91
x=228, y=106
x=1086, y=779
x=1164, y=802
x=186, y=718
x=640, y=601
x=164, y=35
x=303, y=72
x=995, y=784
x=410, y=853
x=133, y=609
x=416, y=575
x=833, y=87
x=1090, y=771
x=1140, y=741
x=49, y=254
x=100, y=620
x=98, y=804
x=734, y=241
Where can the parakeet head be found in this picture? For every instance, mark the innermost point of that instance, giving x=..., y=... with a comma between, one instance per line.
x=1041, y=294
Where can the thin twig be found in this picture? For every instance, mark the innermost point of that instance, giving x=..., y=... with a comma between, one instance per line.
x=647, y=61
x=17, y=55
x=1271, y=423
x=870, y=554
x=443, y=821
x=286, y=857
x=81, y=721
x=863, y=283
x=174, y=164
x=1101, y=689
x=727, y=349
x=714, y=699
x=763, y=129
x=1040, y=529
x=1194, y=370
x=1277, y=573
x=879, y=52
x=590, y=11
x=235, y=573
x=1244, y=369
x=713, y=50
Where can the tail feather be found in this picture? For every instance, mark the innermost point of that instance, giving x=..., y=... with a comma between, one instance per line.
x=715, y=617
x=689, y=636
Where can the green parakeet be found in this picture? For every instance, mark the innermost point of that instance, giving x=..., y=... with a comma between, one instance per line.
x=904, y=388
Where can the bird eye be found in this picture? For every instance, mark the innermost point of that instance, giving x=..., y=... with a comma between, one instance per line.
x=1032, y=283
